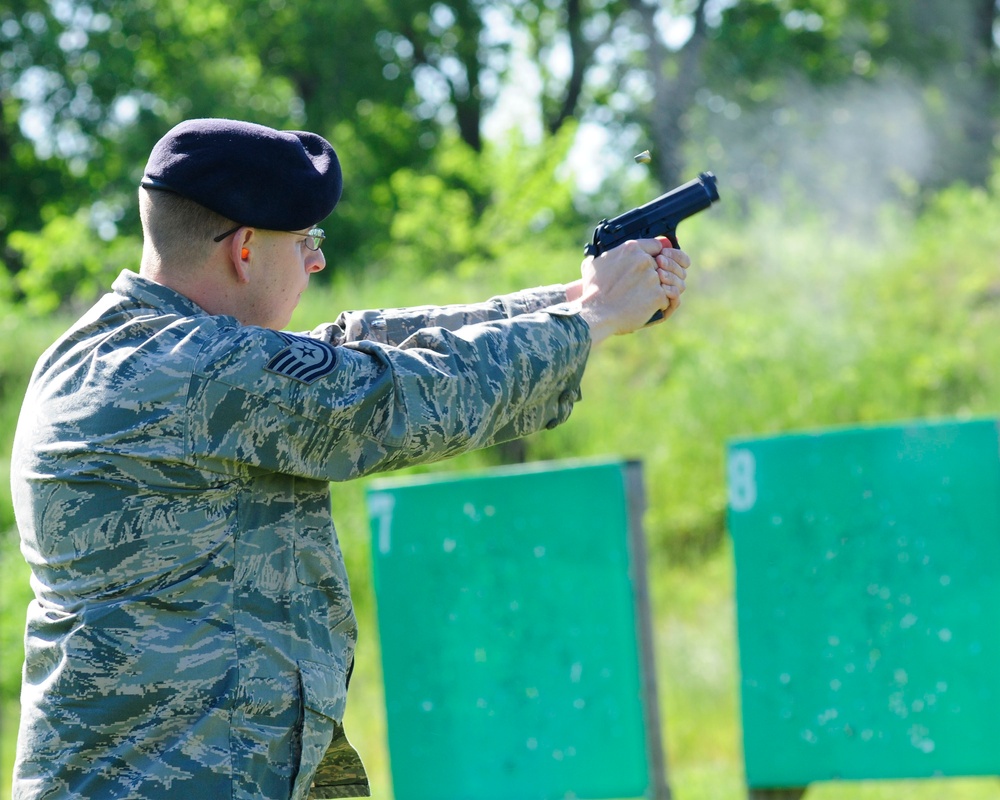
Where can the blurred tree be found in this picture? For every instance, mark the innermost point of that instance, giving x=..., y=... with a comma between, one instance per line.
x=675, y=78
x=78, y=129
x=954, y=50
x=87, y=86
x=902, y=94
x=381, y=79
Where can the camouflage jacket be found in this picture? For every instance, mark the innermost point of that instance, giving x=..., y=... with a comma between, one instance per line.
x=192, y=628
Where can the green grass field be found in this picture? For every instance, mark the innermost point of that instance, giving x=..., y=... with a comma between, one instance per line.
x=696, y=656
x=819, y=330
x=697, y=677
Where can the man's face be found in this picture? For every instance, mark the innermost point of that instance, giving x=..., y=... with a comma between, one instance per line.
x=279, y=277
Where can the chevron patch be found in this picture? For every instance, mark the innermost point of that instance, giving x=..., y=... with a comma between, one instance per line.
x=304, y=359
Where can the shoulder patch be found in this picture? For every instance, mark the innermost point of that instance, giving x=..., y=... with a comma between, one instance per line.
x=304, y=359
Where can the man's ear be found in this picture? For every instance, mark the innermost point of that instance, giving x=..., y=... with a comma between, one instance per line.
x=240, y=252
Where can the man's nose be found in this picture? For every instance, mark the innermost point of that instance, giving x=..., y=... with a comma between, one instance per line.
x=317, y=262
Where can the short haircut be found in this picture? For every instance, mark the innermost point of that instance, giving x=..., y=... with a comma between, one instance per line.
x=179, y=230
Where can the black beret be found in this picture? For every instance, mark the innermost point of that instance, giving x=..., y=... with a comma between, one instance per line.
x=252, y=174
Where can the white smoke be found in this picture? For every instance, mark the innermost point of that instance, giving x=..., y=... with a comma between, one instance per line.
x=847, y=150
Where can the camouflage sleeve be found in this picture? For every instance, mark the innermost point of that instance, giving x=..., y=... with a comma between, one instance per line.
x=394, y=325
x=301, y=406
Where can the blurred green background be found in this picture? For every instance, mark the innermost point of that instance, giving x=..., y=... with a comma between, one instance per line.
x=850, y=275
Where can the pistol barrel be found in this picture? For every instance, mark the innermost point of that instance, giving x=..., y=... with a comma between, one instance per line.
x=658, y=217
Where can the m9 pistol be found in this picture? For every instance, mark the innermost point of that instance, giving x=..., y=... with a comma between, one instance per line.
x=659, y=217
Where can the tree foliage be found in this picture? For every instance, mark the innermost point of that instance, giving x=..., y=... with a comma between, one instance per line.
x=788, y=99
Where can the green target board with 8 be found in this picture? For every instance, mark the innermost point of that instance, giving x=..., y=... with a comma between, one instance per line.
x=867, y=598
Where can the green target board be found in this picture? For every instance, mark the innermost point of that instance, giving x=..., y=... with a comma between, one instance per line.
x=867, y=601
x=514, y=634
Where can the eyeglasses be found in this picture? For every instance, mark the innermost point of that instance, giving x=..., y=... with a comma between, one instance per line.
x=314, y=236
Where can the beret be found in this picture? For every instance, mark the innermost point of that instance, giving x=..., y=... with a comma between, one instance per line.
x=252, y=174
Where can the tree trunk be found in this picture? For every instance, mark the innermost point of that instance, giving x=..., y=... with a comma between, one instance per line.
x=673, y=95
x=981, y=128
x=580, y=53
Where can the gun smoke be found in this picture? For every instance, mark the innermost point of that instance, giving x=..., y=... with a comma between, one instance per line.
x=843, y=152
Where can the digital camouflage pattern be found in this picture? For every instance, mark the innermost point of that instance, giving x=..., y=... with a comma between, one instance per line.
x=192, y=628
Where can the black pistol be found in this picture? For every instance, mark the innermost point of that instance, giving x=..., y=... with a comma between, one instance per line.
x=659, y=217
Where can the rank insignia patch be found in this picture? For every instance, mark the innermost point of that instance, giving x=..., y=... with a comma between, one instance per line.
x=305, y=359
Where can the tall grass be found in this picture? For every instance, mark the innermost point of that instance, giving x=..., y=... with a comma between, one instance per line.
x=786, y=325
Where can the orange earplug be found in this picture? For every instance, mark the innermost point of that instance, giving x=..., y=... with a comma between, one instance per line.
x=244, y=254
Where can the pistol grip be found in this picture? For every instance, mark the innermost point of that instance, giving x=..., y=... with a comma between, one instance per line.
x=672, y=237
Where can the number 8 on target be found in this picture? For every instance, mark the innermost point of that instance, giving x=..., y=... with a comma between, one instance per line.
x=741, y=472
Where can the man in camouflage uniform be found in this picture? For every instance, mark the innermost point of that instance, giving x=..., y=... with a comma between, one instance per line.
x=192, y=628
